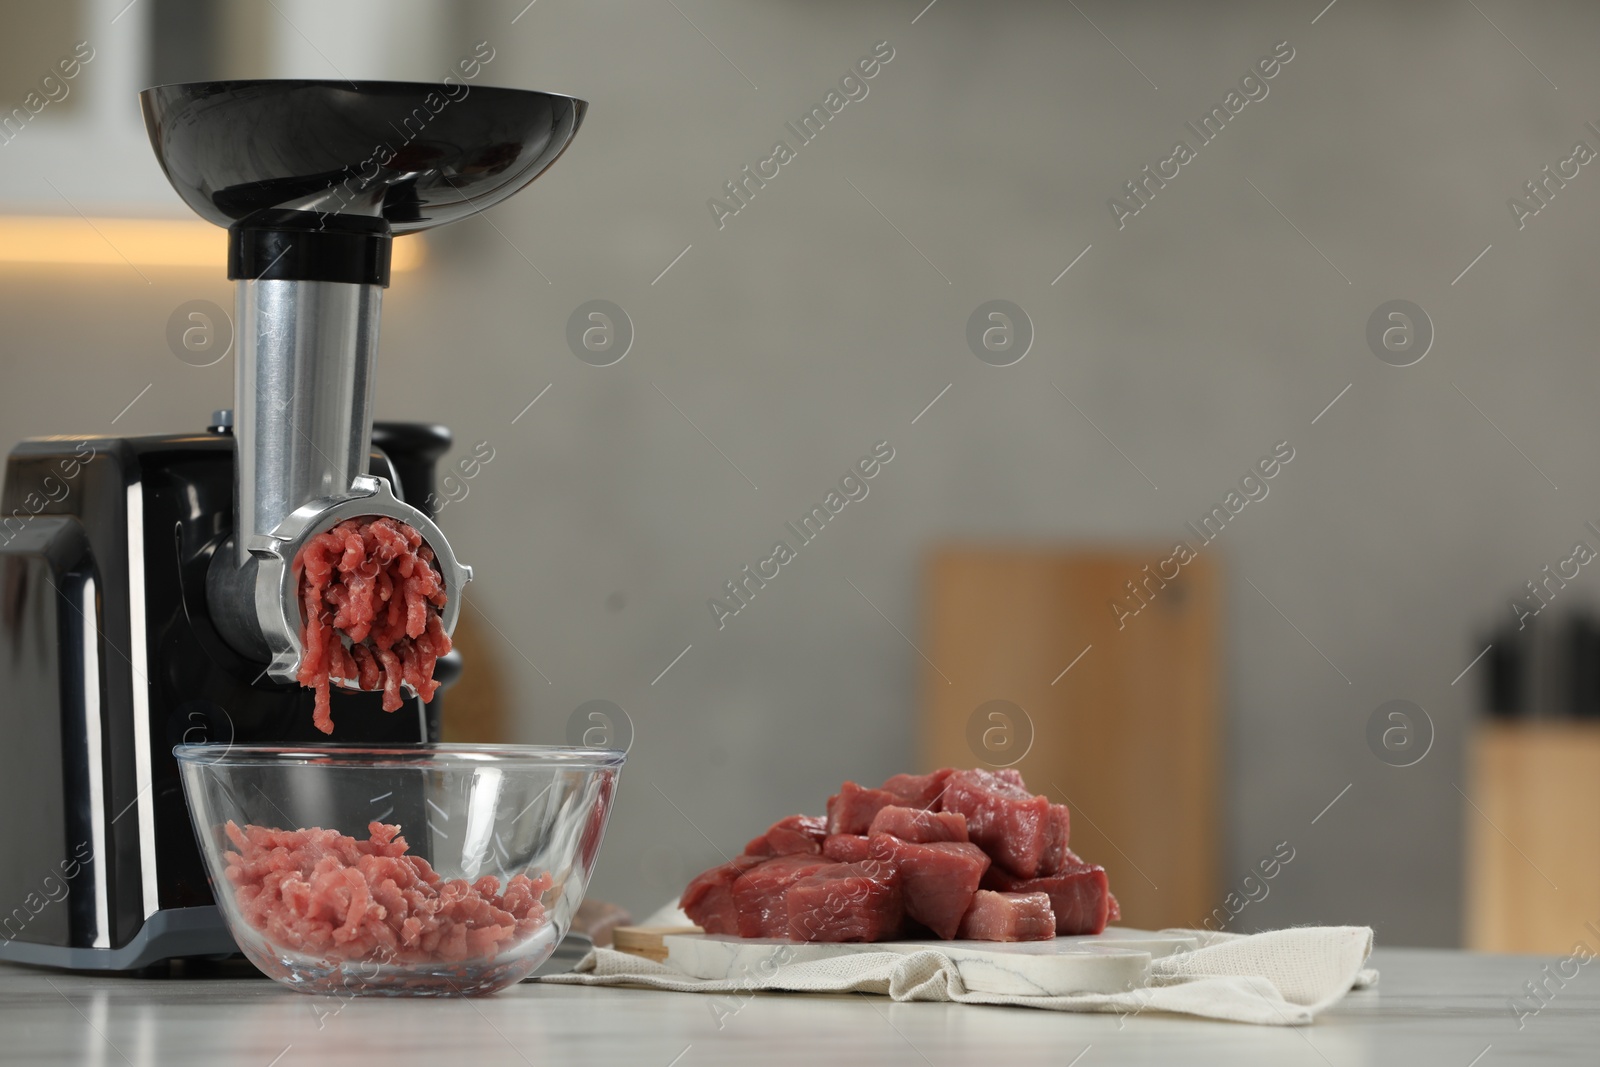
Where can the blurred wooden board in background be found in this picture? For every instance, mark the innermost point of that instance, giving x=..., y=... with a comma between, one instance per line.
x=1533, y=839
x=477, y=708
x=1127, y=737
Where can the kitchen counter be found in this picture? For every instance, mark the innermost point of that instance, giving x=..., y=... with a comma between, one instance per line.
x=1431, y=1007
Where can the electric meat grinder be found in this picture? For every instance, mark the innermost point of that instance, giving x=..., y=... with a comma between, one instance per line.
x=147, y=588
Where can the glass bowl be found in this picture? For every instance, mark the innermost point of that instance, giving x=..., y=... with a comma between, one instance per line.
x=425, y=870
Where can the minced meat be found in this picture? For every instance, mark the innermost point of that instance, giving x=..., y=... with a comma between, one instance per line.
x=327, y=895
x=370, y=595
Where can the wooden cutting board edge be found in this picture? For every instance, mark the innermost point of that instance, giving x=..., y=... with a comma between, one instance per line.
x=650, y=941
x=647, y=941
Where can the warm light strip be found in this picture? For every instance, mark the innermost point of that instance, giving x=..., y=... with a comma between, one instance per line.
x=79, y=241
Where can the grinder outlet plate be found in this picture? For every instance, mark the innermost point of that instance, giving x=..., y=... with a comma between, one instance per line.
x=277, y=592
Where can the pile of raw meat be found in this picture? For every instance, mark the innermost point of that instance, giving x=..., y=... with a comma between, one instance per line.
x=969, y=854
x=370, y=596
x=330, y=896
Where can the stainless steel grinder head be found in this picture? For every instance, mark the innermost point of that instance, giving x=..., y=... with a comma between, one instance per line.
x=313, y=180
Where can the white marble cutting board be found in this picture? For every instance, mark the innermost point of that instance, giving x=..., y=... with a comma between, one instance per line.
x=1112, y=962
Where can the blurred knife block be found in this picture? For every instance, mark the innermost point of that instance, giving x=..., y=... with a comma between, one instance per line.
x=1533, y=840
x=1127, y=737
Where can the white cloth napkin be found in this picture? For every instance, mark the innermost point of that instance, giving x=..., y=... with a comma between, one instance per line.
x=1277, y=978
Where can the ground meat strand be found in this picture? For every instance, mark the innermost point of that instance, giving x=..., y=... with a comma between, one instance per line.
x=325, y=894
x=373, y=582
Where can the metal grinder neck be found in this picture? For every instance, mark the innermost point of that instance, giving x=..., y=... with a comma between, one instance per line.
x=303, y=396
x=307, y=303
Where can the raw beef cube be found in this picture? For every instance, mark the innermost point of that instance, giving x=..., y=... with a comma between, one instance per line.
x=1013, y=827
x=796, y=834
x=919, y=790
x=967, y=853
x=846, y=902
x=709, y=898
x=758, y=894
x=1056, y=857
x=938, y=879
x=914, y=824
x=845, y=848
x=850, y=811
x=1078, y=895
x=1115, y=908
x=1009, y=917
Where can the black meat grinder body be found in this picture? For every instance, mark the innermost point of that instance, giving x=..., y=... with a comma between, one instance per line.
x=143, y=592
x=108, y=659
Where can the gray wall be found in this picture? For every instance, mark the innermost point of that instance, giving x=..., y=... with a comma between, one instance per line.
x=1198, y=336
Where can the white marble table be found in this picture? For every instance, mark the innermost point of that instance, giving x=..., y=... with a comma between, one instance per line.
x=1430, y=1008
